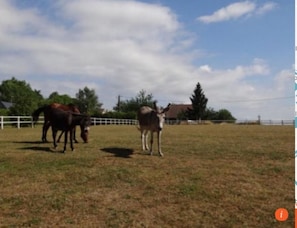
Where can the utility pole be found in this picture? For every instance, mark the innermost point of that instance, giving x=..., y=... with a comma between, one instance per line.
x=119, y=101
x=259, y=119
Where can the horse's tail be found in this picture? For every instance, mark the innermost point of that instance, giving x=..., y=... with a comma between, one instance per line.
x=36, y=113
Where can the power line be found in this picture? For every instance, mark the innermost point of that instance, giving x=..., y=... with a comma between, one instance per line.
x=261, y=99
x=224, y=101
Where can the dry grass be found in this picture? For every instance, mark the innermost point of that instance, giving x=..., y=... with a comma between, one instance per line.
x=211, y=176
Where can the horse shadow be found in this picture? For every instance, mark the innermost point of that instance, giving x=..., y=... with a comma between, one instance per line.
x=29, y=142
x=119, y=152
x=37, y=147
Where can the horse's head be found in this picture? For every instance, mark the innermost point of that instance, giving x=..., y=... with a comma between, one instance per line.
x=35, y=118
x=36, y=113
x=85, y=128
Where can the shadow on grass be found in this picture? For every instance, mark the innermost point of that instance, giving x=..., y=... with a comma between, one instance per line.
x=37, y=147
x=119, y=152
x=29, y=142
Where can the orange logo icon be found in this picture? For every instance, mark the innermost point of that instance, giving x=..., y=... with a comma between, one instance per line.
x=281, y=214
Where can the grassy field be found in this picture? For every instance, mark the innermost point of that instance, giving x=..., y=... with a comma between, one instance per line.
x=210, y=176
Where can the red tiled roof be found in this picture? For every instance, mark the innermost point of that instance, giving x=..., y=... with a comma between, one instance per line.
x=175, y=109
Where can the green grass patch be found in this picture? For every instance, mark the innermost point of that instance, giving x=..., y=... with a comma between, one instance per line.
x=210, y=176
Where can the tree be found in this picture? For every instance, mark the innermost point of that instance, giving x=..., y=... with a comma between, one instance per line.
x=199, y=102
x=87, y=101
x=55, y=97
x=24, y=99
x=132, y=105
x=211, y=114
x=224, y=114
x=220, y=116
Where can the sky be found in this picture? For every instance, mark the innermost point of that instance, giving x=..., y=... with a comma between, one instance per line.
x=241, y=52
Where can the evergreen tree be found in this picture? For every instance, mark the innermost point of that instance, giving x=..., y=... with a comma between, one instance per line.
x=199, y=102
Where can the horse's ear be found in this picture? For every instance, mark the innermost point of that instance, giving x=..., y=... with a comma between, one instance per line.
x=155, y=105
x=167, y=108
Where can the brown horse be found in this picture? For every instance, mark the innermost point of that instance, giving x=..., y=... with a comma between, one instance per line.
x=47, y=123
x=66, y=122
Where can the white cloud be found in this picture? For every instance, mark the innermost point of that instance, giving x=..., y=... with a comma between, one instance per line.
x=118, y=48
x=283, y=80
x=268, y=6
x=231, y=11
x=205, y=68
x=237, y=10
x=121, y=19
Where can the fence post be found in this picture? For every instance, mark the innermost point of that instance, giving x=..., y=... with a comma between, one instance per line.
x=19, y=124
x=2, y=124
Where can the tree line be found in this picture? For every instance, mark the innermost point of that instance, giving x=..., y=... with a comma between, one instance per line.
x=25, y=100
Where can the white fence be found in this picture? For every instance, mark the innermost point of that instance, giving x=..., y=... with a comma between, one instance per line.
x=17, y=121
x=239, y=122
x=26, y=121
x=109, y=121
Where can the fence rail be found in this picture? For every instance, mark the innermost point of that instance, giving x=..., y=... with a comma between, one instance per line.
x=26, y=121
x=239, y=122
x=110, y=121
x=17, y=121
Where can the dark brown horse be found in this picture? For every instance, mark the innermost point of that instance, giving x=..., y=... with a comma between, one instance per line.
x=66, y=122
x=45, y=109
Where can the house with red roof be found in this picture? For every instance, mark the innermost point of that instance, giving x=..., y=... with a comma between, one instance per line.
x=177, y=111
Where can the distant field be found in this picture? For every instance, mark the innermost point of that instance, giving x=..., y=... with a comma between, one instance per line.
x=210, y=176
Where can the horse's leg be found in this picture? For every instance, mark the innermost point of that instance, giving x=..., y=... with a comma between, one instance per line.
x=74, y=135
x=60, y=136
x=54, y=132
x=142, y=140
x=152, y=141
x=45, y=128
x=146, y=138
x=71, y=138
x=42, y=134
x=159, y=143
x=65, y=140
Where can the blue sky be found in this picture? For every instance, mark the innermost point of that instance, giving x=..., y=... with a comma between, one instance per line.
x=241, y=52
